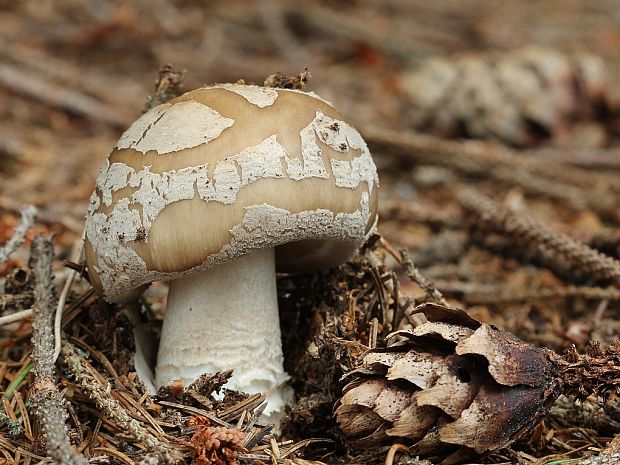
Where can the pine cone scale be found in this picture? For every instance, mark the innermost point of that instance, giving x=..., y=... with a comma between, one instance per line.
x=421, y=369
x=511, y=361
x=414, y=421
x=490, y=422
x=454, y=391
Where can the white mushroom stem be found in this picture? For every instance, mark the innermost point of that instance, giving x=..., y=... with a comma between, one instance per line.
x=227, y=318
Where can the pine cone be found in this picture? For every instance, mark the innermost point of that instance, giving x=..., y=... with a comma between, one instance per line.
x=449, y=385
x=523, y=97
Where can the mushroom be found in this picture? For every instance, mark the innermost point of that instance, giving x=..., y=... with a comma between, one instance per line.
x=211, y=192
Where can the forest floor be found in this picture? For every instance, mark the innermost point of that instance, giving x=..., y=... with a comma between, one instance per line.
x=502, y=219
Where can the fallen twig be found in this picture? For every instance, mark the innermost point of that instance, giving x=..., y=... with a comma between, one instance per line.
x=28, y=213
x=555, y=248
x=486, y=294
x=109, y=405
x=108, y=88
x=59, y=96
x=403, y=258
x=45, y=397
x=17, y=316
x=77, y=252
x=486, y=160
x=331, y=22
x=44, y=215
x=604, y=458
x=588, y=158
x=414, y=274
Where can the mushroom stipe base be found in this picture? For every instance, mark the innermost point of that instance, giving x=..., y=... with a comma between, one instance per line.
x=226, y=318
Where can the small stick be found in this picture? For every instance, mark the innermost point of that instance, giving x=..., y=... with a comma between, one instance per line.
x=76, y=253
x=483, y=159
x=414, y=274
x=108, y=404
x=374, y=329
x=389, y=458
x=113, y=452
x=26, y=222
x=480, y=293
x=17, y=316
x=59, y=96
x=606, y=457
x=47, y=402
x=608, y=158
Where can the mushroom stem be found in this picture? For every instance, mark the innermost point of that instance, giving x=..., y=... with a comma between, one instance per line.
x=226, y=318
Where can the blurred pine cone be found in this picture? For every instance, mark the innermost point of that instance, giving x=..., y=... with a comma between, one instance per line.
x=448, y=386
x=522, y=97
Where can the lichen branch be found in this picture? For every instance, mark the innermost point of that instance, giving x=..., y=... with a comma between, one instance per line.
x=45, y=397
x=109, y=406
x=432, y=293
x=28, y=215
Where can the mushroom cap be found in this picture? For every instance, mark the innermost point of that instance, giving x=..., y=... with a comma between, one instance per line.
x=222, y=171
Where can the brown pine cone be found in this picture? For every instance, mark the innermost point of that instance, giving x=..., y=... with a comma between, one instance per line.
x=450, y=385
x=521, y=98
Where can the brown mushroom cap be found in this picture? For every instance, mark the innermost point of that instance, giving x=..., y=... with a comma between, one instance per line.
x=220, y=172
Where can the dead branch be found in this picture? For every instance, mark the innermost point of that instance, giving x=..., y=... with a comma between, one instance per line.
x=604, y=458
x=17, y=316
x=331, y=22
x=44, y=215
x=108, y=404
x=11, y=149
x=471, y=154
x=488, y=294
x=106, y=88
x=487, y=160
x=587, y=158
x=28, y=214
x=47, y=402
x=414, y=274
x=607, y=242
x=524, y=231
x=50, y=93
